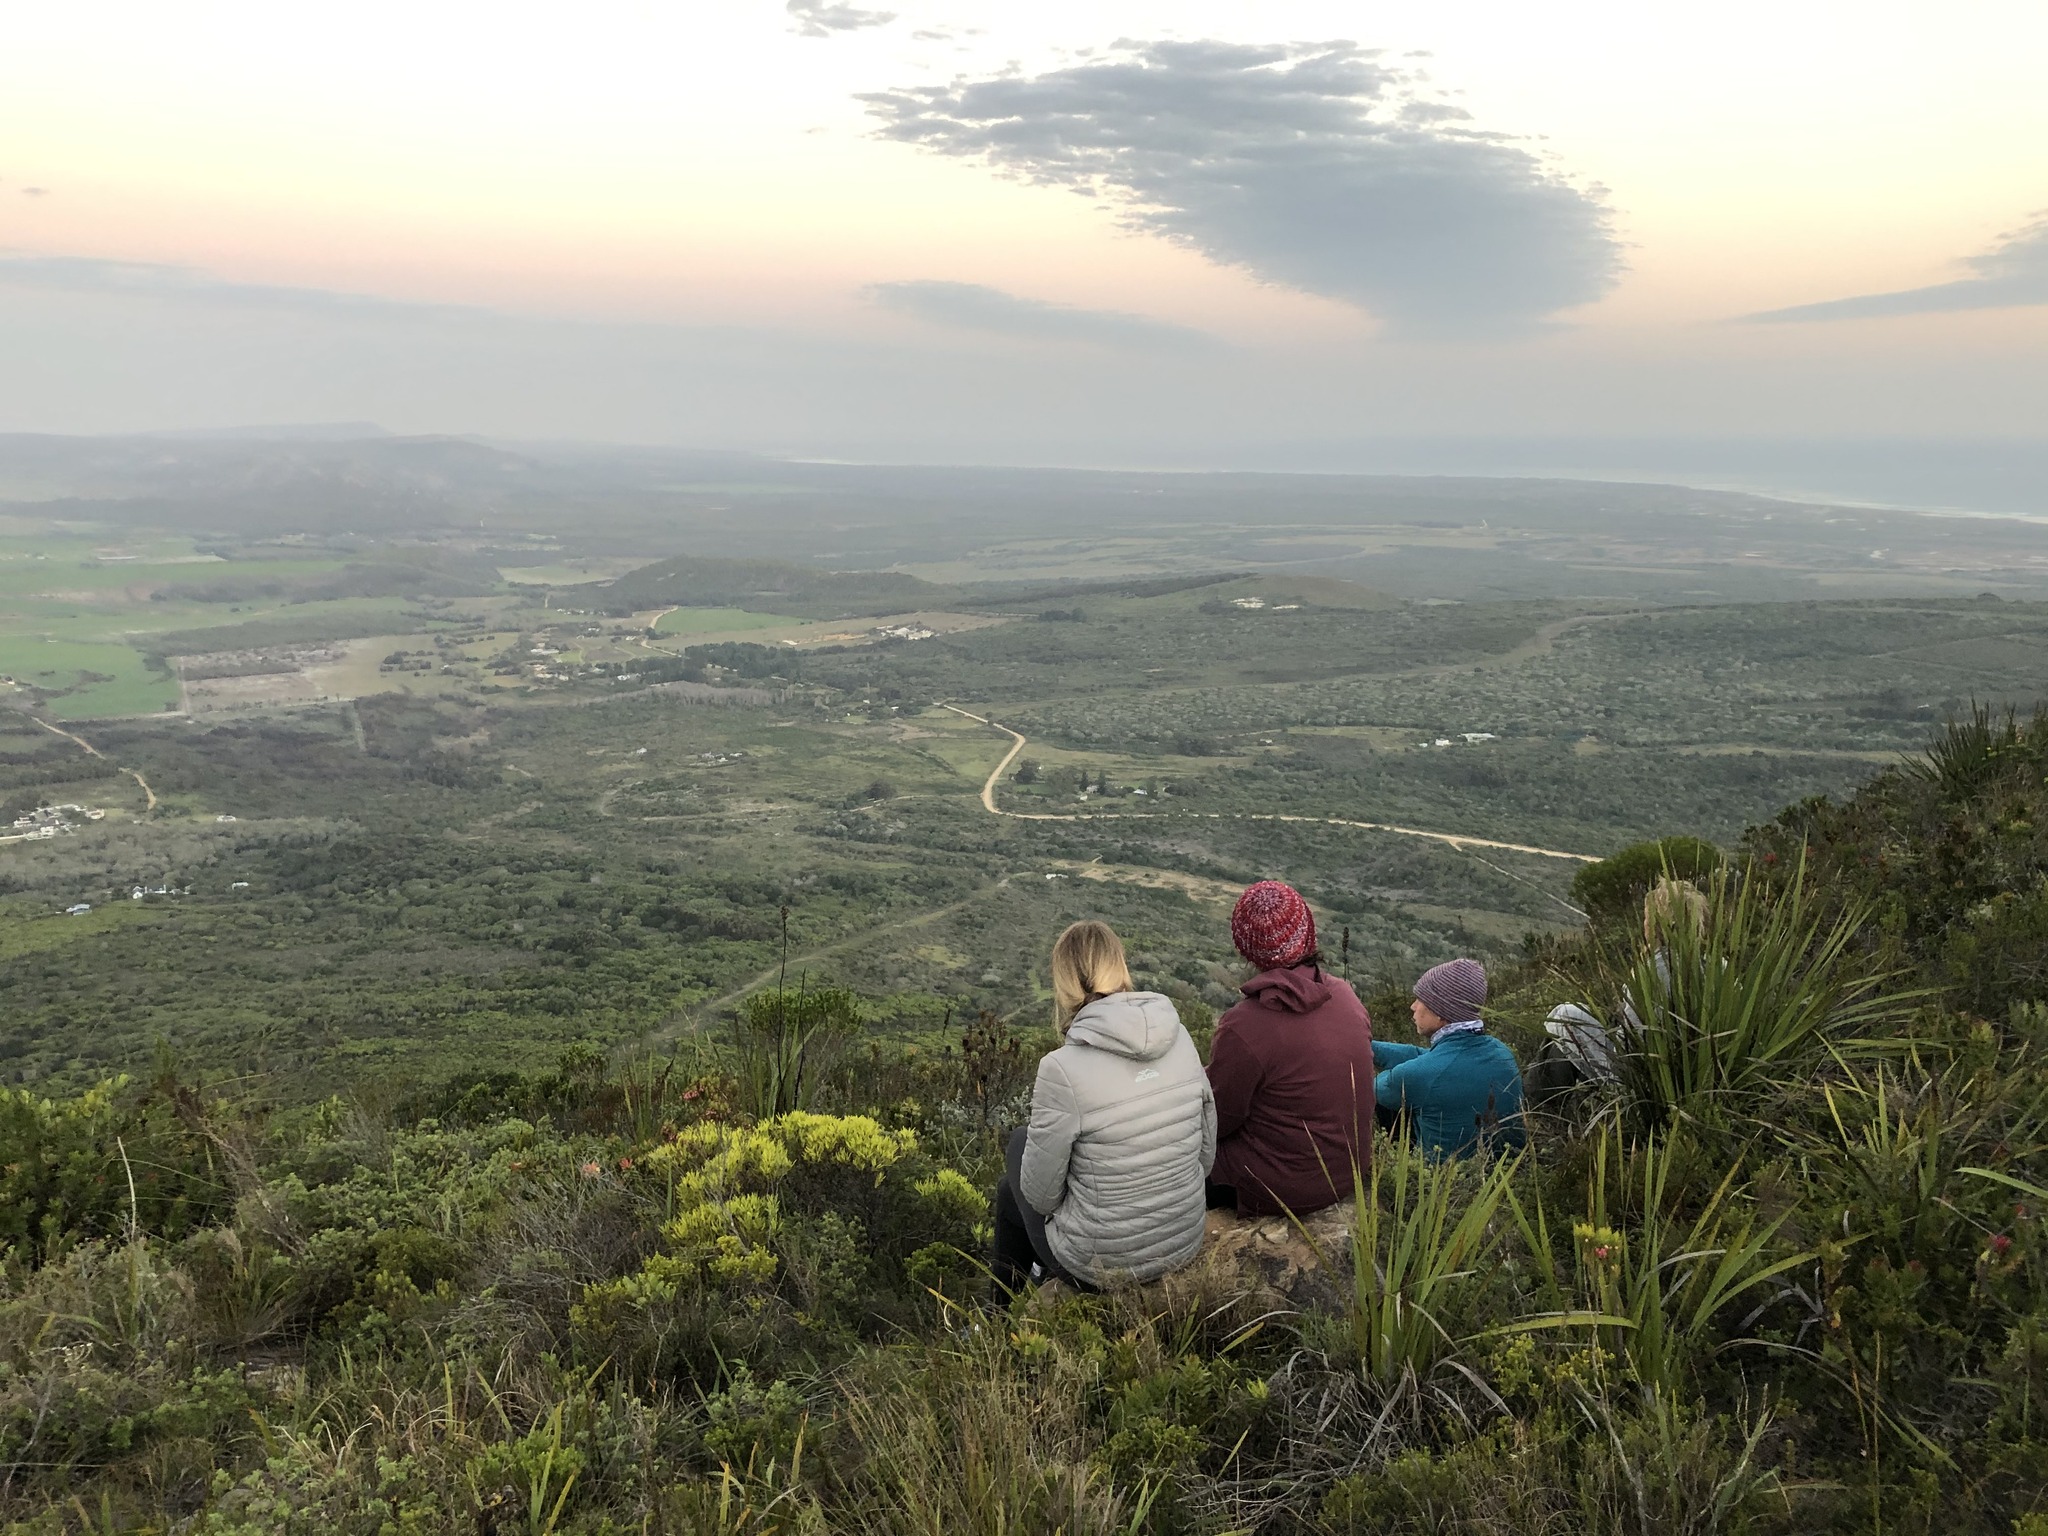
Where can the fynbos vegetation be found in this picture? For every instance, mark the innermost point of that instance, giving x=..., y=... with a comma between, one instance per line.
x=1786, y=1272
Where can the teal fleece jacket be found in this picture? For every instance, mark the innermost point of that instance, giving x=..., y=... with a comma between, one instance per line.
x=1461, y=1088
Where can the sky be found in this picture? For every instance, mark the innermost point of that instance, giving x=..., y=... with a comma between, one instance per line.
x=1146, y=232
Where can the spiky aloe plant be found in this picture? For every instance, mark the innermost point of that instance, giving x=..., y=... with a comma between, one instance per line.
x=1653, y=1293
x=1422, y=1229
x=1970, y=754
x=1765, y=989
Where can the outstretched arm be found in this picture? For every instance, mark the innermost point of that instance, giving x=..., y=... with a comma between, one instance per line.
x=1390, y=1087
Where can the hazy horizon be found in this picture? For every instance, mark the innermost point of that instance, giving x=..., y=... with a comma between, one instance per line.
x=1133, y=232
x=1990, y=478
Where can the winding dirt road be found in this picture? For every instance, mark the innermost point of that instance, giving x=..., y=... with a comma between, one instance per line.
x=93, y=751
x=1454, y=840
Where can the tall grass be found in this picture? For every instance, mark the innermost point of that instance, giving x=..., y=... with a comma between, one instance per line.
x=1655, y=1297
x=1421, y=1231
x=971, y=1445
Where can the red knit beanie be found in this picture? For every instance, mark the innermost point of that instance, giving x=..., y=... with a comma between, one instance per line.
x=1272, y=926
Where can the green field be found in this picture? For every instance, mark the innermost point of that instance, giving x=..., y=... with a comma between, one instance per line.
x=92, y=680
x=717, y=621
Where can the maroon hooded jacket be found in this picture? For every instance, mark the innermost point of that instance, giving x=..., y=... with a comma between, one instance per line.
x=1291, y=1067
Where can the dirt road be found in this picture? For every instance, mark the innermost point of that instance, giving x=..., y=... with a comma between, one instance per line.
x=1455, y=840
x=93, y=751
x=697, y=1012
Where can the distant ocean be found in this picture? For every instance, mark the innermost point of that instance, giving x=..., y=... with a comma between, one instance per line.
x=2000, y=478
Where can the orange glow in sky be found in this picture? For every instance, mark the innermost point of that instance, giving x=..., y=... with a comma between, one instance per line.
x=633, y=162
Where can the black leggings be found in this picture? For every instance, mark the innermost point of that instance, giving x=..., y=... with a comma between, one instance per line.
x=1022, y=1254
x=1550, y=1076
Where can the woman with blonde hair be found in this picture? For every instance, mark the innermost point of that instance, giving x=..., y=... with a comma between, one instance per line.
x=1106, y=1183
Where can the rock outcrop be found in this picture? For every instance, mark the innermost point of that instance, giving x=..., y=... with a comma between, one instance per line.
x=1265, y=1263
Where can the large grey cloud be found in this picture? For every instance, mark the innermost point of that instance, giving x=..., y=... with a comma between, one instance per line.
x=2012, y=273
x=1320, y=167
x=975, y=307
x=822, y=18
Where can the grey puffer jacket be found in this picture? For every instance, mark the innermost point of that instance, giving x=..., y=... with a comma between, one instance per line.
x=1123, y=1129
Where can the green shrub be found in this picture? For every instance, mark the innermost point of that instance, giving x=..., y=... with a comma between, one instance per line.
x=1590, y=1466
x=824, y=1215
x=103, y=1379
x=1611, y=890
x=1946, y=858
x=88, y=1166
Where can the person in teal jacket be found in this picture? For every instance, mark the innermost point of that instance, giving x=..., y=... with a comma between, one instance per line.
x=1461, y=1089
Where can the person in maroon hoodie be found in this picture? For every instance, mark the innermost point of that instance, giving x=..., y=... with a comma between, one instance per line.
x=1291, y=1067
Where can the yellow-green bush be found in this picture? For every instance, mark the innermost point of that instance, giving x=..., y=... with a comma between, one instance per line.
x=805, y=1210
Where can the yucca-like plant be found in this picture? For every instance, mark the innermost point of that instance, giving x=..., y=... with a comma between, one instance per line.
x=1971, y=754
x=1652, y=1294
x=1898, y=1143
x=1718, y=1014
x=1422, y=1229
x=786, y=1042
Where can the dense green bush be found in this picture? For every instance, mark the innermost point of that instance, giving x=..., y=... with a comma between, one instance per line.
x=1951, y=855
x=113, y=1159
x=1610, y=889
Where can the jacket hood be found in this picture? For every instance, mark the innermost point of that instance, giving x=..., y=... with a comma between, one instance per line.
x=1140, y=1025
x=1292, y=989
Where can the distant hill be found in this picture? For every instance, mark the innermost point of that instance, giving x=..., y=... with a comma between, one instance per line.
x=773, y=587
x=280, y=432
x=366, y=485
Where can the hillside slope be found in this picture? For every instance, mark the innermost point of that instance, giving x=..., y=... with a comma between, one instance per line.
x=1786, y=1274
